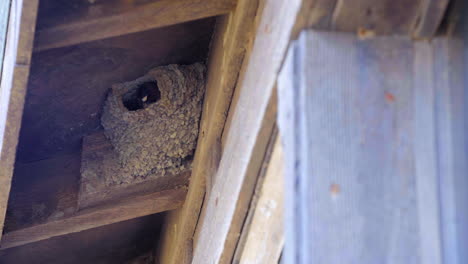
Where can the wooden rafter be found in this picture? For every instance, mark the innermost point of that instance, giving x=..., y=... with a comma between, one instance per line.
x=228, y=51
x=224, y=205
x=78, y=210
x=15, y=72
x=98, y=216
x=112, y=21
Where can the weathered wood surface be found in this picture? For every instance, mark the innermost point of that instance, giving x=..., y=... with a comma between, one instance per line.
x=98, y=216
x=229, y=49
x=275, y=22
x=97, y=155
x=261, y=151
x=263, y=233
x=449, y=71
x=431, y=14
x=42, y=191
x=61, y=109
x=116, y=243
x=419, y=18
x=15, y=71
x=375, y=155
x=344, y=130
x=114, y=18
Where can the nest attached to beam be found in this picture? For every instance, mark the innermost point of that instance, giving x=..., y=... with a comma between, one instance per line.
x=152, y=122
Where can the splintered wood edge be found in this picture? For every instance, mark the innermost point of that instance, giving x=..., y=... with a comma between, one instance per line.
x=98, y=216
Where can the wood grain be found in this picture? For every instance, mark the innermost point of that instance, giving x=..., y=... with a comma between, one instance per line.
x=380, y=145
x=98, y=216
x=253, y=177
x=112, y=18
x=43, y=190
x=15, y=73
x=228, y=50
x=430, y=17
x=448, y=73
x=350, y=130
x=116, y=243
x=264, y=236
x=275, y=22
x=419, y=18
x=382, y=17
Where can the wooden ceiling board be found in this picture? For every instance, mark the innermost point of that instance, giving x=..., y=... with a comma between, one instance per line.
x=67, y=86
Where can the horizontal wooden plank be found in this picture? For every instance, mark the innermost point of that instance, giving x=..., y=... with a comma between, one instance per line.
x=98, y=216
x=124, y=17
x=115, y=243
x=418, y=18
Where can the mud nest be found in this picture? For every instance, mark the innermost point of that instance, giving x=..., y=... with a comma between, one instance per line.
x=152, y=122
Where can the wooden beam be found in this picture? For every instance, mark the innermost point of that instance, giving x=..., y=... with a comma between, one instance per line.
x=275, y=23
x=262, y=236
x=53, y=185
x=15, y=72
x=98, y=216
x=254, y=174
x=229, y=48
x=418, y=18
x=124, y=17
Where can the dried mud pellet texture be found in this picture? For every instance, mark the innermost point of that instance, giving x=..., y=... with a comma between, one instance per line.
x=153, y=122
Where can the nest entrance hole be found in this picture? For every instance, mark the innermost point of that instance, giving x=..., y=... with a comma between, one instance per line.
x=143, y=95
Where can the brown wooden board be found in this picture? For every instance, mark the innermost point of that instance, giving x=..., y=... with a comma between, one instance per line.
x=42, y=191
x=44, y=197
x=97, y=216
x=72, y=23
x=419, y=18
x=116, y=243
